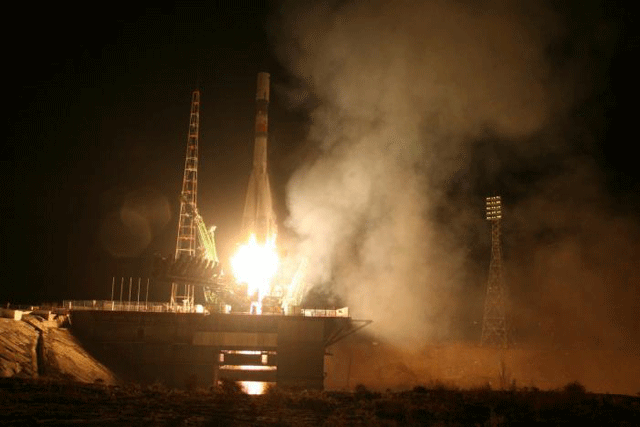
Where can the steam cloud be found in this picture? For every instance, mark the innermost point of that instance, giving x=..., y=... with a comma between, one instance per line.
x=398, y=92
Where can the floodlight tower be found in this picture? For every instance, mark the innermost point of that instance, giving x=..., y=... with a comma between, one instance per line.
x=494, y=322
x=186, y=242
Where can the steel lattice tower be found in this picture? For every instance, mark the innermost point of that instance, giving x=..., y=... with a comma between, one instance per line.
x=494, y=322
x=186, y=242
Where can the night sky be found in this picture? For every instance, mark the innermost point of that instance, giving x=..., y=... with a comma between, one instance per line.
x=98, y=113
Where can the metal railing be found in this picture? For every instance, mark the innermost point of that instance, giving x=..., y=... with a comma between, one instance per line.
x=111, y=305
x=158, y=307
x=321, y=312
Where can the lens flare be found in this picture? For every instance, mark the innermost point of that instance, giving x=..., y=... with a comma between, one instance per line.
x=255, y=265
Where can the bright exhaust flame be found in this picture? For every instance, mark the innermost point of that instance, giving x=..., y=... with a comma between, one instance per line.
x=256, y=265
x=254, y=387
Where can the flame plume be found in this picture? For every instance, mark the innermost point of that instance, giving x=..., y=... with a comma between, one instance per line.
x=256, y=265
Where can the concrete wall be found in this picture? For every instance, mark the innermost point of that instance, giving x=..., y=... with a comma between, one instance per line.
x=184, y=348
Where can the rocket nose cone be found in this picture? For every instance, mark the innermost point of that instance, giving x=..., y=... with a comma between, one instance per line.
x=262, y=92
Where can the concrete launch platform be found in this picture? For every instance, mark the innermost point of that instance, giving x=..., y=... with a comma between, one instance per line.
x=182, y=348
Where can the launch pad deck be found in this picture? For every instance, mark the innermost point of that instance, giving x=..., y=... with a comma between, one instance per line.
x=176, y=348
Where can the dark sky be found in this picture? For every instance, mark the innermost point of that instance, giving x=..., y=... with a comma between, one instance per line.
x=97, y=117
x=100, y=112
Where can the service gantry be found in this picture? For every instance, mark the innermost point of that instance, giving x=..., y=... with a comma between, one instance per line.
x=186, y=242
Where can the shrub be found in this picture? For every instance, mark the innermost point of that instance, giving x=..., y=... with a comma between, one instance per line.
x=361, y=389
x=392, y=409
x=132, y=388
x=361, y=392
x=439, y=386
x=420, y=389
x=191, y=383
x=574, y=388
x=230, y=387
x=158, y=387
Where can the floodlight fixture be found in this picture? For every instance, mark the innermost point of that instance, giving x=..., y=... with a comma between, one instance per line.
x=494, y=208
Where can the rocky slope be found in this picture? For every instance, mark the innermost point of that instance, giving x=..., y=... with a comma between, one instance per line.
x=35, y=347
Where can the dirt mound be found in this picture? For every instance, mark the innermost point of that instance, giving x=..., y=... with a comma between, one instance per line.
x=18, y=341
x=34, y=348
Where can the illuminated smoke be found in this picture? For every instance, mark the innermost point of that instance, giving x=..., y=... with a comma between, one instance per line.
x=399, y=92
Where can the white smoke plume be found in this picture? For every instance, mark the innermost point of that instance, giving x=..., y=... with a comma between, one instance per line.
x=397, y=90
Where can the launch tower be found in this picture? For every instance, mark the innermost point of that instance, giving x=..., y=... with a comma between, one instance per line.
x=494, y=323
x=186, y=242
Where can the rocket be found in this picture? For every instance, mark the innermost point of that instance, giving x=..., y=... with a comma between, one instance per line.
x=258, y=217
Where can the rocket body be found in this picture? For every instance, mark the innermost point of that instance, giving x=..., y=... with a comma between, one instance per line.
x=258, y=217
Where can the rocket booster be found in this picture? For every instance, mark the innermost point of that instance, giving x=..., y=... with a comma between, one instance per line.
x=258, y=217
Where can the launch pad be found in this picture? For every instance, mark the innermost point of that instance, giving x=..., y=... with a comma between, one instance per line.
x=247, y=329
x=182, y=348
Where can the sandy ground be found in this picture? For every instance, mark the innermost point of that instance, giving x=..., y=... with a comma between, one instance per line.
x=359, y=360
